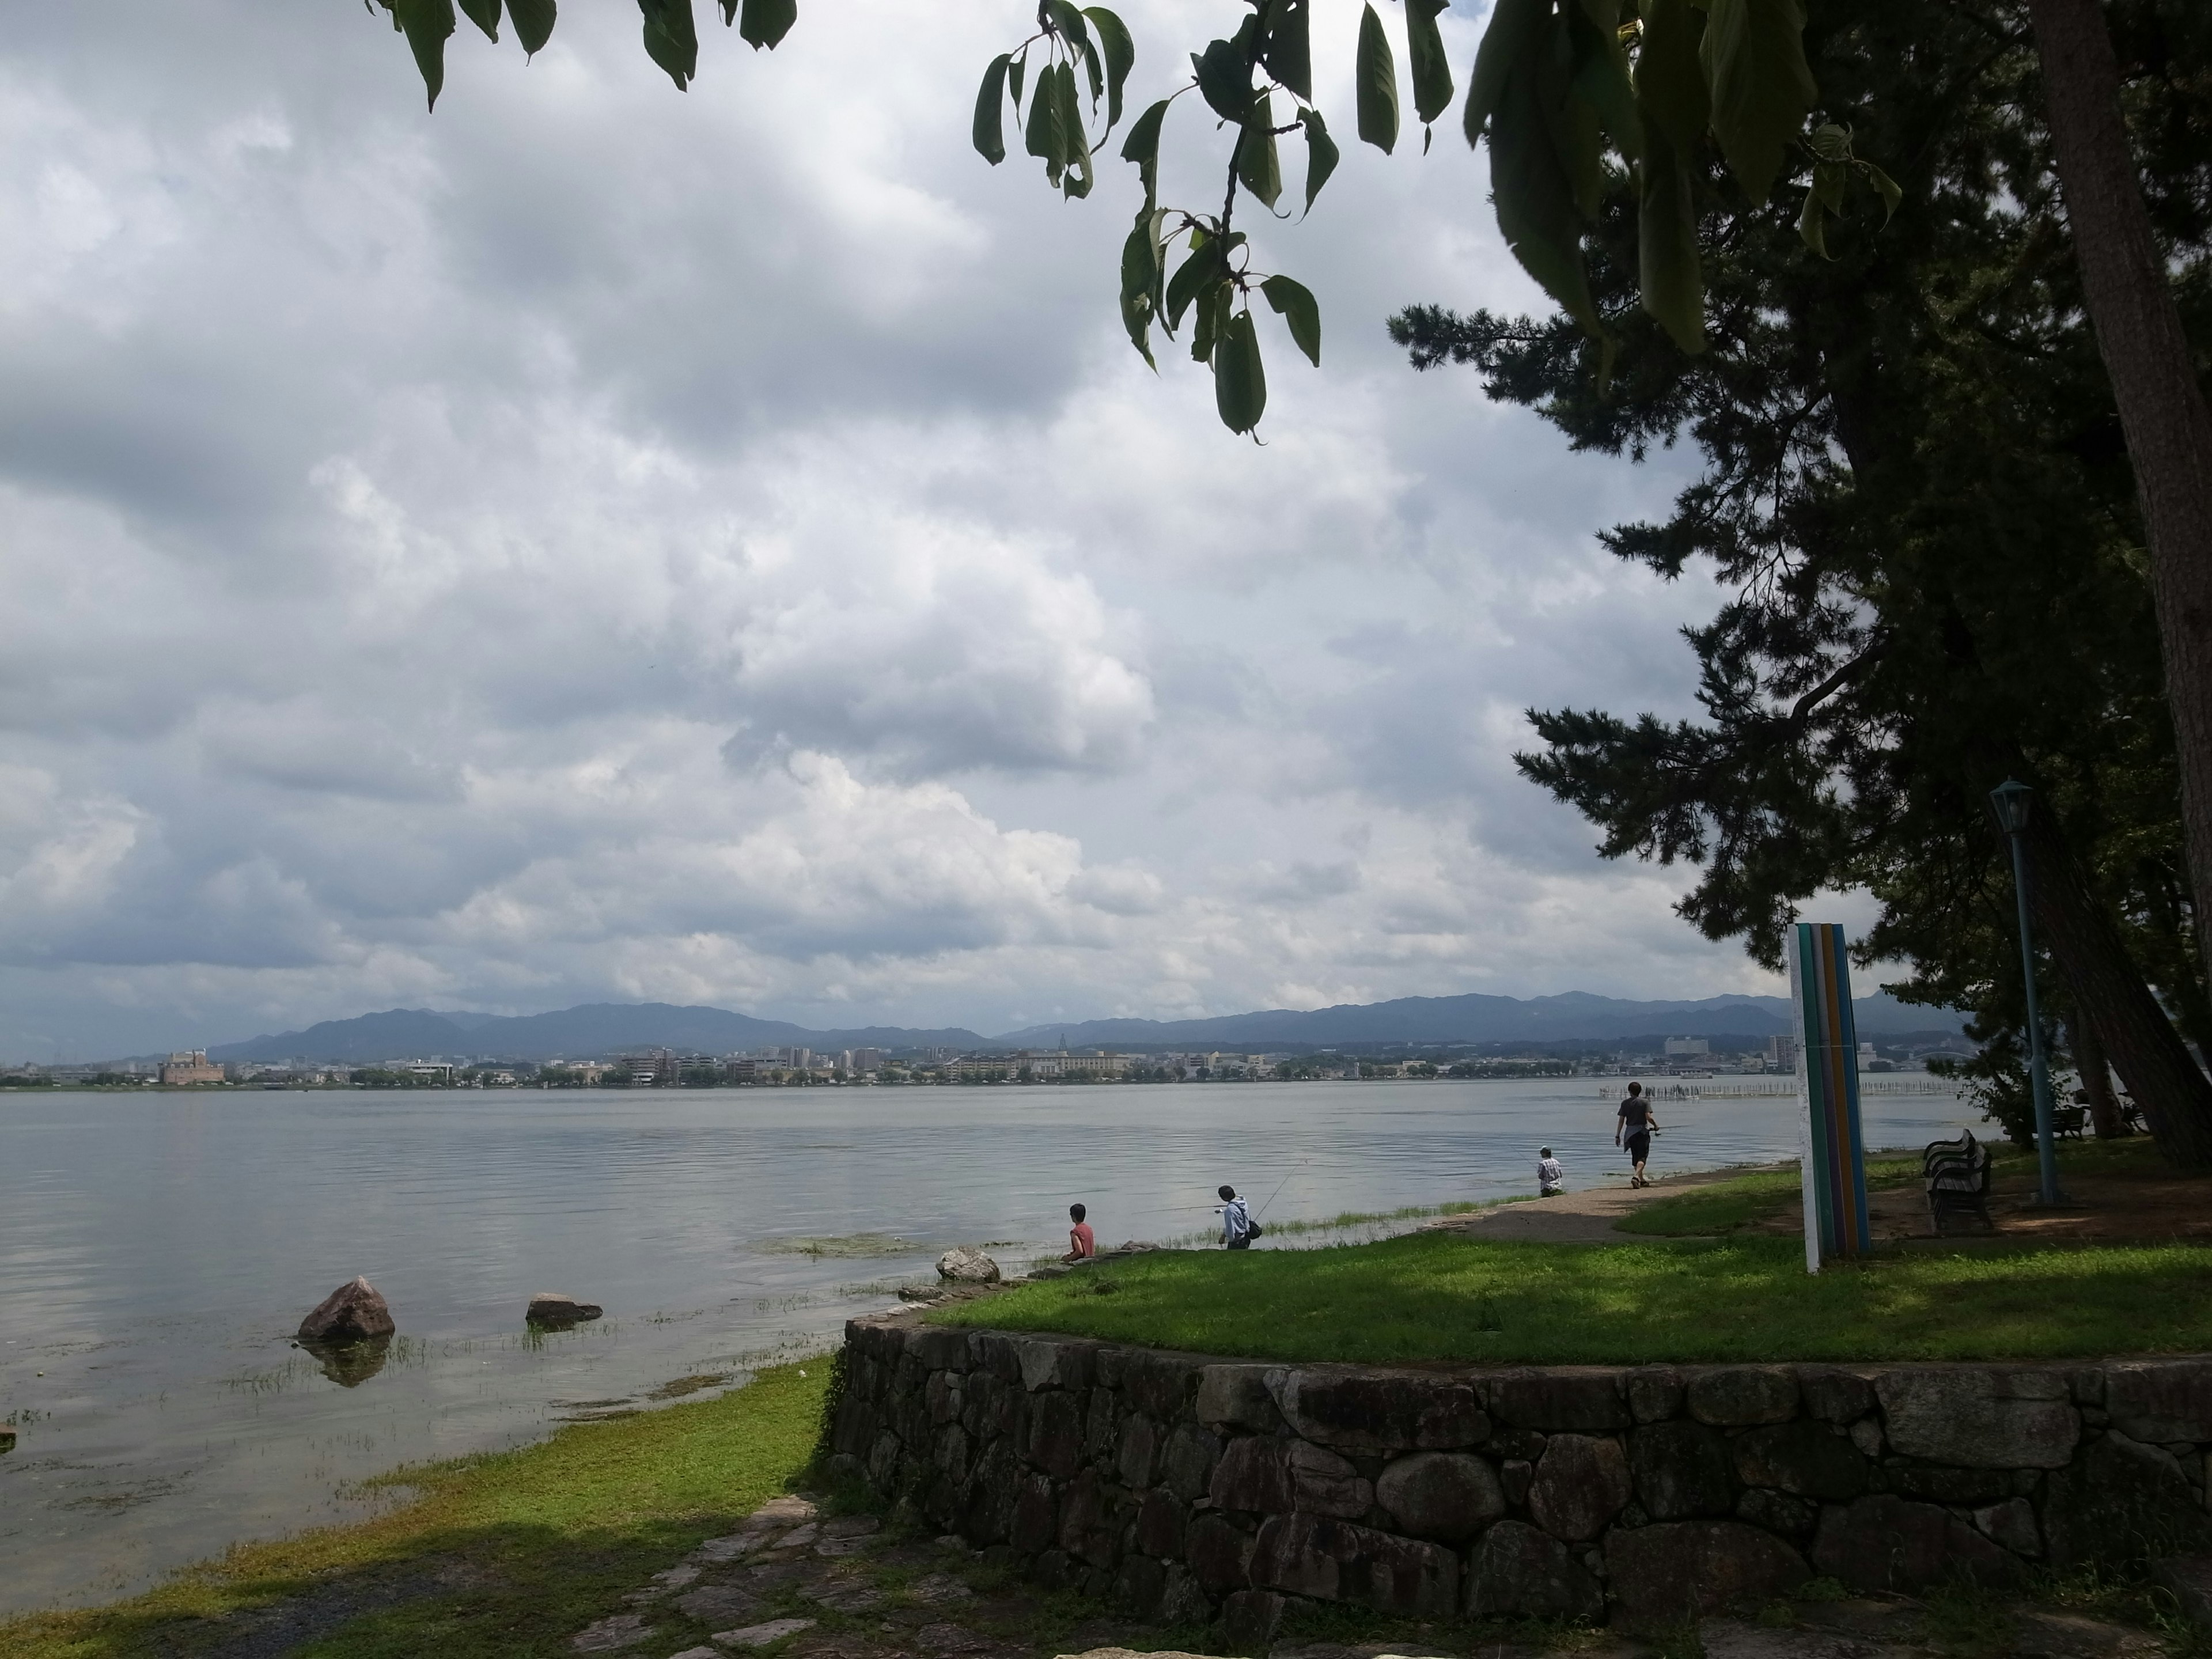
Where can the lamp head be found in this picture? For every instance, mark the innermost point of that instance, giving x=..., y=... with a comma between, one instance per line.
x=2011, y=800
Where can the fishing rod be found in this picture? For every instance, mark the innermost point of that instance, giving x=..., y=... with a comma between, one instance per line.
x=1286, y=1181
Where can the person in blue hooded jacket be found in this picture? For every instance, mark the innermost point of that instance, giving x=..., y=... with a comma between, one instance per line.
x=1238, y=1230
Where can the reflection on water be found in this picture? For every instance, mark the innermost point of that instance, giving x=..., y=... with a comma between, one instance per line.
x=156, y=1253
x=350, y=1364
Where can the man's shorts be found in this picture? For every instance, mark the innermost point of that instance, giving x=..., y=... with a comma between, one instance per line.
x=1640, y=1145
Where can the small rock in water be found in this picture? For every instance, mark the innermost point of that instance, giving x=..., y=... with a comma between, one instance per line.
x=554, y=1308
x=351, y=1313
x=759, y=1636
x=965, y=1266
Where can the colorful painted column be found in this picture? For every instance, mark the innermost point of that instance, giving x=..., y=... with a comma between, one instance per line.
x=1831, y=1157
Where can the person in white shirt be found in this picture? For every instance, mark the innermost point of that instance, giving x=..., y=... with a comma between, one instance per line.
x=1238, y=1230
x=1551, y=1179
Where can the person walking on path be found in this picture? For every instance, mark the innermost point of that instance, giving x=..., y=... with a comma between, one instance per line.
x=1551, y=1179
x=1081, y=1245
x=1238, y=1230
x=1633, y=1127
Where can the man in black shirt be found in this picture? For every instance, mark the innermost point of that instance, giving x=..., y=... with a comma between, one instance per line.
x=1636, y=1123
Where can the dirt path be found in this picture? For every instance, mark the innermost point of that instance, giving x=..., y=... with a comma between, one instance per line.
x=1578, y=1218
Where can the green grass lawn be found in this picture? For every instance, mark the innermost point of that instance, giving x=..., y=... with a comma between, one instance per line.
x=519, y=1550
x=1441, y=1295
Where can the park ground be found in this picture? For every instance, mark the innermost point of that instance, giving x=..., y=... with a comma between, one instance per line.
x=607, y=1531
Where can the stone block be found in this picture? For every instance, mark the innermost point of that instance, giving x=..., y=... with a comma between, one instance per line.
x=1737, y=1396
x=1136, y=1459
x=1866, y=1436
x=856, y=1425
x=1053, y=1570
x=995, y=1353
x=989, y=1512
x=1581, y=1483
x=1254, y=1475
x=941, y=1348
x=1036, y=1520
x=1934, y=1483
x=2011, y=1523
x=1835, y=1397
x=1055, y=1434
x=1139, y=1586
x=883, y=1462
x=2160, y=1400
x=1102, y=1426
x=1806, y=1457
x=1053, y=1362
x=1250, y=1618
x=1219, y=1555
x=1159, y=1384
x=1380, y=1411
x=1445, y=1497
x=2122, y=1503
x=1890, y=1544
x=2188, y=1578
x=1322, y=1483
x=1091, y=1520
x=1525, y=1444
x=1793, y=1518
x=1682, y=1470
x=1654, y=1392
x=941, y=1395
x=1333, y=1560
x=1186, y=1463
x=1518, y=1572
x=950, y=1453
x=1516, y=1476
x=1182, y=1602
x=1237, y=1396
x=1681, y=1570
x=1580, y=1402
x=1978, y=1416
x=1160, y=1517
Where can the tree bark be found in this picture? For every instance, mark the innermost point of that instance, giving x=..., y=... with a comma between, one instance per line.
x=2105, y=989
x=2096, y=1073
x=2162, y=406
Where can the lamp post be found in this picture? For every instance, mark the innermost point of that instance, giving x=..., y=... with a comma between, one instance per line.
x=2012, y=800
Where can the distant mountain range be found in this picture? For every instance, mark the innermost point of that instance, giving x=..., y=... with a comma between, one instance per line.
x=600, y=1028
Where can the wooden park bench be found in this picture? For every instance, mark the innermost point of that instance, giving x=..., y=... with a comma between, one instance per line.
x=2069, y=1120
x=1956, y=1174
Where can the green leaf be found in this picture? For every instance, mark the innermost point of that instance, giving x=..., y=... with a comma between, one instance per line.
x=1670, y=81
x=1075, y=142
x=1601, y=82
x=1121, y=54
x=990, y=132
x=1288, y=48
x=1320, y=153
x=1884, y=186
x=1142, y=147
x=1212, y=319
x=1259, y=167
x=1753, y=53
x=1068, y=23
x=1140, y=263
x=1295, y=306
x=672, y=40
x=1014, y=79
x=1424, y=53
x=1810, y=224
x=484, y=14
x=1091, y=68
x=1225, y=80
x=1208, y=263
x=1535, y=202
x=1829, y=179
x=765, y=23
x=1240, y=383
x=1668, y=272
x=1137, y=317
x=427, y=24
x=1515, y=29
x=533, y=23
x=1376, y=74
x=1041, y=137
x=1830, y=142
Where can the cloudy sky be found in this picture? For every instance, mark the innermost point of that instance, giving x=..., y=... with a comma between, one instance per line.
x=602, y=542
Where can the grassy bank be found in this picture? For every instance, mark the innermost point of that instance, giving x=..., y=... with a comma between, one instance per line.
x=1436, y=1295
x=497, y=1557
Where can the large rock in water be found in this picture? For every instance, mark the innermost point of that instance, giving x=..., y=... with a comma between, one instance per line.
x=966, y=1266
x=555, y=1307
x=351, y=1313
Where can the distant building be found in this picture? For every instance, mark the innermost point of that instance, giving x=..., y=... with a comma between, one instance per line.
x=1782, y=1053
x=653, y=1069
x=865, y=1059
x=188, y=1066
x=1682, y=1048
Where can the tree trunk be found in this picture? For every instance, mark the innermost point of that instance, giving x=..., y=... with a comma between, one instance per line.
x=2096, y=1077
x=2162, y=406
x=2106, y=990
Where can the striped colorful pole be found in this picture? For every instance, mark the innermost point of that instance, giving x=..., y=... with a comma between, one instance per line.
x=1832, y=1160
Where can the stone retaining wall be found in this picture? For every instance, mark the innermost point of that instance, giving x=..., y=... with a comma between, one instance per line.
x=1183, y=1487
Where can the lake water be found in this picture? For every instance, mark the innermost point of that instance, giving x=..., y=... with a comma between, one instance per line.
x=156, y=1253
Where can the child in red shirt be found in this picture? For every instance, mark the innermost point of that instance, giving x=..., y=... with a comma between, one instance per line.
x=1082, y=1246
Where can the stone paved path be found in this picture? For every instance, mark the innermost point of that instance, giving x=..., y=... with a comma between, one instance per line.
x=1578, y=1218
x=793, y=1583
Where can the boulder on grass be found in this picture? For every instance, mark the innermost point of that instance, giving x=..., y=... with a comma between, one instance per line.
x=352, y=1313
x=963, y=1265
x=555, y=1307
